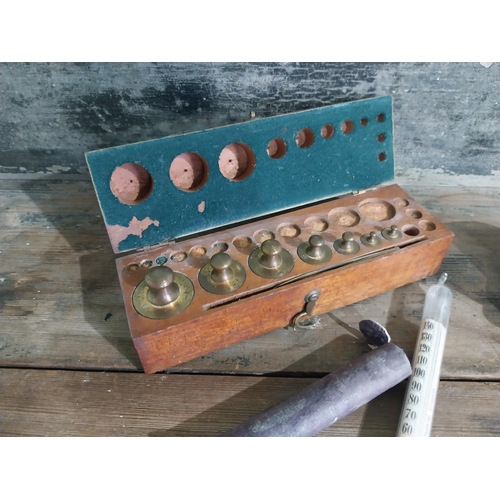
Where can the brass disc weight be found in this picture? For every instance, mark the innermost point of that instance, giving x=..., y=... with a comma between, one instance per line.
x=220, y=288
x=254, y=263
x=148, y=310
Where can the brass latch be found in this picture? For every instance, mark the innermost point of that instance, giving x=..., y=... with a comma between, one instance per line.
x=310, y=301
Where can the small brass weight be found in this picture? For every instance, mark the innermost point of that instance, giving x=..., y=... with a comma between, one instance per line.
x=222, y=274
x=271, y=260
x=162, y=294
x=314, y=251
x=346, y=245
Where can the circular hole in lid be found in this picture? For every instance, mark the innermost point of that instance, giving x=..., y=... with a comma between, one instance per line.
x=236, y=161
x=381, y=137
x=131, y=183
x=276, y=148
x=382, y=156
x=327, y=131
x=347, y=127
x=305, y=138
x=189, y=172
x=381, y=117
x=364, y=121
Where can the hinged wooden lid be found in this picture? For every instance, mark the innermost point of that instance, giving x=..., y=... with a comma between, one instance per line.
x=291, y=160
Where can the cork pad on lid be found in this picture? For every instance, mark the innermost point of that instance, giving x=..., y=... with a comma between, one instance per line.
x=188, y=171
x=131, y=183
x=233, y=161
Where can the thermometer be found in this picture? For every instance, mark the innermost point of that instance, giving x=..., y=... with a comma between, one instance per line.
x=418, y=407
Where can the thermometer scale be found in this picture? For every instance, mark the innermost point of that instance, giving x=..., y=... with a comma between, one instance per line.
x=418, y=408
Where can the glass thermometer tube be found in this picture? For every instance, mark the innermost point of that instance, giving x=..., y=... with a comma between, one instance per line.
x=418, y=407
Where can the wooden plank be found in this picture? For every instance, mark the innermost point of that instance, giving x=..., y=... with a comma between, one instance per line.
x=77, y=403
x=58, y=284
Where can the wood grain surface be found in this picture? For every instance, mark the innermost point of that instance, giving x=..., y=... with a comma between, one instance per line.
x=80, y=403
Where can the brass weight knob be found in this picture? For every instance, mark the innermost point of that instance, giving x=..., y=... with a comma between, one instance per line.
x=162, y=289
x=371, y=239
x=392, y=233
x=271, y=254
x=162, y=293
x=222, y=274
x=315, y=251
x=271, y=260
x=346, y=245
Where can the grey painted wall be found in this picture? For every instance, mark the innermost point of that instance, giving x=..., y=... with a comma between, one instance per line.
x=447, y=116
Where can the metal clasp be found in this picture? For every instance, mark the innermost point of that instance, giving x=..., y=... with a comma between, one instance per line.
x=310, y=301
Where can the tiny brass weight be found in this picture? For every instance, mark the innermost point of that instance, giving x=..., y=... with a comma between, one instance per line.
x=271, y=260
x=371, y=239
x=222, y=274
x=162, y=293
x=392, y=233
x=346, y=245
x=315, y=251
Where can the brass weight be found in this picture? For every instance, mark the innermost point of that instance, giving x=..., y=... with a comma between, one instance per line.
x=222, y=274
x=162, y=294
x=271, y=260
x=392, y=233
x=371, y=239
x=315, y=251
x=346, y=245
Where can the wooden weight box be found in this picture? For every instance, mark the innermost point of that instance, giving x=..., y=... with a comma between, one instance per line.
x=240, y=230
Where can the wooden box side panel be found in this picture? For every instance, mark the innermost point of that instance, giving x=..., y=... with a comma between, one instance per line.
x=254, y=316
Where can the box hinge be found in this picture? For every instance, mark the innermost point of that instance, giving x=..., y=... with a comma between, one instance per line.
x=165, y=243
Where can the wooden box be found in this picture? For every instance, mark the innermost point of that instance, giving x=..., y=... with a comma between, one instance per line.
x=193, y=212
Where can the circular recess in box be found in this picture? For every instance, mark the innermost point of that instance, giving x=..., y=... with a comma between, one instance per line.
x=131, y=183
x=316, y=224
x=375, y=209
x=343, y=217
x=427, y=225
x=401, y=202
x=414, y=214
x=220, y=246
x=411, y=230
x=189, y=172
x=242, y=241
x=178, y=257
x=197, y=252
x=288, y=230
x=262, y=235
x=236, y=161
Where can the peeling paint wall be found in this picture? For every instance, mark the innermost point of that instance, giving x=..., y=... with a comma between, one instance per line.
x=447, y=115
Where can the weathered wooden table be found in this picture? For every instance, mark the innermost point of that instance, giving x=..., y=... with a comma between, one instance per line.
x=68, y=366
